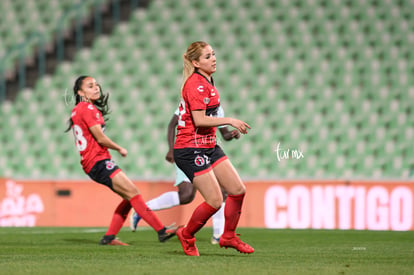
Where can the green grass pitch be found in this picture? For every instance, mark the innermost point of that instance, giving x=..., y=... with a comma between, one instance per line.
x=55, y=250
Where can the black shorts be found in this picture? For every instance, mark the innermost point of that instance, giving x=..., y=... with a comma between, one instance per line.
x=103, y=171
x=197, y=161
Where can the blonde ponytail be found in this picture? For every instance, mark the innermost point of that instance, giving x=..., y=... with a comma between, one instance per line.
x=193, y=53
x=188, y=69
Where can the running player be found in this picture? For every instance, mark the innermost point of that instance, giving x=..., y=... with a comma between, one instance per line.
x=186, y=191
x=88, y=124
x=198, y=155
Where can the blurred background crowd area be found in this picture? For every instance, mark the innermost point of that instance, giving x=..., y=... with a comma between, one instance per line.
x=331, y=78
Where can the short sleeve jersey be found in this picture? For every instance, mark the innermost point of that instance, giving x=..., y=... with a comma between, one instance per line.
x=84, y=116
x=198, y=94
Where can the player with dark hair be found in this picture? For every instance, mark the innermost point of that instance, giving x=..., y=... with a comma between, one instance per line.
x=198, y=155
x=88, y=124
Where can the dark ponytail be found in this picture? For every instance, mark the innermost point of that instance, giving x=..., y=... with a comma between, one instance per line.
x=101, y=104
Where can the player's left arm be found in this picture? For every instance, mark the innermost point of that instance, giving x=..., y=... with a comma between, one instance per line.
x=104, y=140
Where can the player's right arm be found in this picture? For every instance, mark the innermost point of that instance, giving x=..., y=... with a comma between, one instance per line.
x=201, y=120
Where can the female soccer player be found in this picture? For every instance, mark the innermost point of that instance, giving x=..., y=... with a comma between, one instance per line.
x=88, y=124
x=186, y=190
x=198, y=155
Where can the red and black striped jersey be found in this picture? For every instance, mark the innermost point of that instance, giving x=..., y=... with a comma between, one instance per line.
x=198, y=94
x=85, y=115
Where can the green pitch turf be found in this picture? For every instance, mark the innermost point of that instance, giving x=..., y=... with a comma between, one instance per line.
x=76, y=251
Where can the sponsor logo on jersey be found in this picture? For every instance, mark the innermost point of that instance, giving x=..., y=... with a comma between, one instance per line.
x=90, y=107
x=200, y=88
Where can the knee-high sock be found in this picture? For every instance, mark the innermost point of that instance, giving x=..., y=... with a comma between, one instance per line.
x=146, y=213
x=232, y=212
x=199, y=218
x=118, y=219
x=218, y=222
x=164, y=201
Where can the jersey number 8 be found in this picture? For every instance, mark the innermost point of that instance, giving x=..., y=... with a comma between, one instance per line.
x=80, y=140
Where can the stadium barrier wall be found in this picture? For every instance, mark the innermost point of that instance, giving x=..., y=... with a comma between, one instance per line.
x=360, y=205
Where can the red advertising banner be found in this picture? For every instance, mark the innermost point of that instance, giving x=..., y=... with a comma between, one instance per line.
x=359, y=205
x=338, y=205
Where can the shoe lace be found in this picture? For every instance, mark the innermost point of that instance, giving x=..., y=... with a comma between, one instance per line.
x=190, y=244
x=240, y=242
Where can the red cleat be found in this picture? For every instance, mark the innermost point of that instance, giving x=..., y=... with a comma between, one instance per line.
x=237, y=244
x=188, y=245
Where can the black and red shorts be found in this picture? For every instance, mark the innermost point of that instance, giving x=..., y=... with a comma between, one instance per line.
x=197, y=161
x=103, y=171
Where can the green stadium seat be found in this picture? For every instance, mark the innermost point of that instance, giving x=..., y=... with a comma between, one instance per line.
x=311, y=74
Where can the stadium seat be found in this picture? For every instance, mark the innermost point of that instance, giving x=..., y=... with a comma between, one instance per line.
x=309, y=74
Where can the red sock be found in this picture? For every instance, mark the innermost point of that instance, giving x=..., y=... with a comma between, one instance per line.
x=145, y=213
x=232, y=212
x=119, y=217
x=199, y=218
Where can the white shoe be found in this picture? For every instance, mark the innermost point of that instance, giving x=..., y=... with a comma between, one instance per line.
x=215, y=240
x=133, y=220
